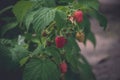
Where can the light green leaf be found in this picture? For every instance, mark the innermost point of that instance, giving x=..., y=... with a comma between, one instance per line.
x=38, y=69
x=42, y=18
x=18, y=53
x=23, y=61
x=21, y=8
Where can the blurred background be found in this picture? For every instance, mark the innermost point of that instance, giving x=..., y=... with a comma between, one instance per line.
x=105, y=57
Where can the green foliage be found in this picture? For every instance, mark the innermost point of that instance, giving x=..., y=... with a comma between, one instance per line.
x=60, y=18
x=5, y=58
x=72, y=53
x=38, y=69
x=54, y=53
x=5, y=9
x=89, y=3
x=8, y=27
x=6, y=42
x=43, y=17
x=45, y=3
x=92, y=38
x=85, y=69
x=100, y=17
x=34, y=49
x=18, y=53
x=21, y=8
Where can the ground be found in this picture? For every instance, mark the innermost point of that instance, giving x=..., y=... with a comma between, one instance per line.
x=105, y=58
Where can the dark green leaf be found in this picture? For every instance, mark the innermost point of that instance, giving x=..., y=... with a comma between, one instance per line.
x=45, y=3
x=60, y=18
x=8, y=27
x=100, y=17
x=6, y=62
x=85, y=69
x=72, y=53
x=85, y=25
x=5, y=9
x=89, y=3
x=53, y=51
x=92, y=38
x=6, y=42
x=21, y=8
x=71, y=75
x=38, y=69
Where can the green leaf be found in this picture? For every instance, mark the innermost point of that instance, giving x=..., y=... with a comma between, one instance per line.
x=72, y=53
x=53, y=51
x=92, y=38
x=40, y=49
x=60, y=18
x=18, y=53
x=89, y=3
x=71, y=75
x=85, y=25
x=23, y=61
x=21, y=8
x=100, y=17
x=38, y=69
x=6, y=42
x=42, y=18
x=8, y=27
x=28, y=19
x=5, y=9
x=49, y=3
x=85, y=69
x=6, y=62
x=45, y=3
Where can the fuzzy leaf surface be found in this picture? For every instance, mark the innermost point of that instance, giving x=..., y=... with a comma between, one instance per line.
x=42, y=18
x=38, y=69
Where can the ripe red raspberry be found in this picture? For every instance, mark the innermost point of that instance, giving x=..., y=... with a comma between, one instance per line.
x=60, y=41
x=78, y=16
x=63, y=67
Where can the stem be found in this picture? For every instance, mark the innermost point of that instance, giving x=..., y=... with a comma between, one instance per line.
x=5, y=9
x=62, y=77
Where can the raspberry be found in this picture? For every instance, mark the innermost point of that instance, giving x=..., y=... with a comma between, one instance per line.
x=60, y=41
x=78, y=16
x=63, y=67
x=80, y=36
